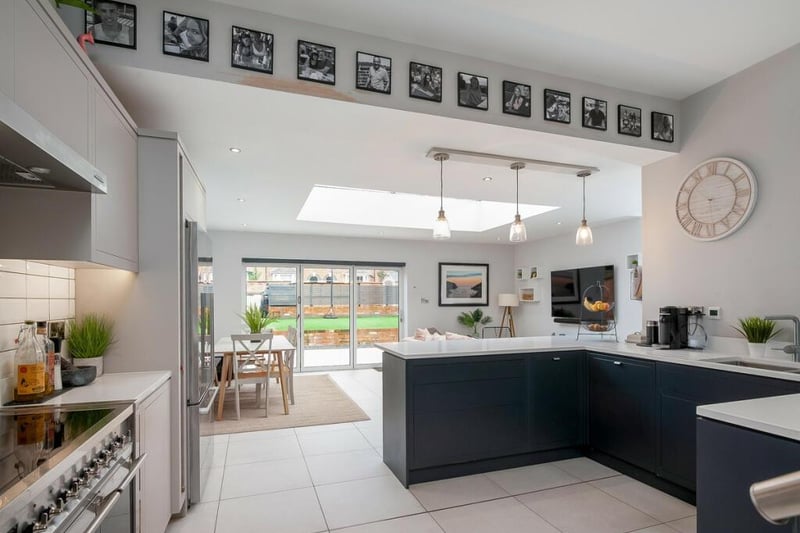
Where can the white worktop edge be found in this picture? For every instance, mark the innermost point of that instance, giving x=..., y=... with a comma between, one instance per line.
x=116, y=387
x=776, y=415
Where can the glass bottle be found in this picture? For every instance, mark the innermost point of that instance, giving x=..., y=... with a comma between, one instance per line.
x=50, y=364
x=29, y=365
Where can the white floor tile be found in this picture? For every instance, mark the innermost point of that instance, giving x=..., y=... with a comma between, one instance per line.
x=324, y=428
x=685, y=525
x=293, y=511
x=372, y=431
x=213, y=484
x=506, y=516
x=585, y=509
x=367, y=500
x=218, y=456
x=253, y=451
x=333, y=442
x=419, y=523
x=201, y=518
x=262, y=435
x=656, y=529
x=260, y=478
x=346, y=466
x=445, y=493
x=653, y=502
x=531, y=478
x=585, y=469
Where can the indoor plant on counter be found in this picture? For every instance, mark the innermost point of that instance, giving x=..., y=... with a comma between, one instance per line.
x=256, y=320
x=89, y=338
x=757, y=331
x=473, y=320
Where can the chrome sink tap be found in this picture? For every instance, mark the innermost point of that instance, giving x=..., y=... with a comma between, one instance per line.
x=793, y=348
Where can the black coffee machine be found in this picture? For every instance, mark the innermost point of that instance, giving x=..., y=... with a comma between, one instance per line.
x=673, y=328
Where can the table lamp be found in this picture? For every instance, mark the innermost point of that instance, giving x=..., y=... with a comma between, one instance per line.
x=507, y=301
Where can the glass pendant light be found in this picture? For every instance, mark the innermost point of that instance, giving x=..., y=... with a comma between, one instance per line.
x=517, y=232
x=584, y=235
x=441, y=228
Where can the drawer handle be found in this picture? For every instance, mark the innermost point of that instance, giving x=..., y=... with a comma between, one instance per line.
x=556, y=359
x=618, y=363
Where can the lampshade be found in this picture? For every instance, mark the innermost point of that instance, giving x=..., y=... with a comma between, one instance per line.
x=505, y=299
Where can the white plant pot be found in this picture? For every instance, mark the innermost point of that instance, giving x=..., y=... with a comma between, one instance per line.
x=90, y=361
x=757, y=349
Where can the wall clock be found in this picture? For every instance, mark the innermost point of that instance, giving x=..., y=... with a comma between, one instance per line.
x=716, y=198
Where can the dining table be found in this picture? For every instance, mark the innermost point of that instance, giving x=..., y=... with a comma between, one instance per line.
x=280, y=347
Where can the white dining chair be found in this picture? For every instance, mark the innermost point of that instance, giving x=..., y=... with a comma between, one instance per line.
x=289, y=355
x=250, y=366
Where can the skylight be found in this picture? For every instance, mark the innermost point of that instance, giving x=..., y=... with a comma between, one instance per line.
x=341, y=205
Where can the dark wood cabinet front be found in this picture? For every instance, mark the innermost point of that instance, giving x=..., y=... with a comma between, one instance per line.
x=558, y=397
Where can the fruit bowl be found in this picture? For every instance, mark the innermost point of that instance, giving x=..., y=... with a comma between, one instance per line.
x=600, y=328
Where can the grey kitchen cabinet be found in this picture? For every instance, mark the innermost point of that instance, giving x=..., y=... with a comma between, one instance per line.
x=557, y=399
x=7, y=48
x=153, y=427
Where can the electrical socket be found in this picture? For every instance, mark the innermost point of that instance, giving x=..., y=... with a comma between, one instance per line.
x=714, y=312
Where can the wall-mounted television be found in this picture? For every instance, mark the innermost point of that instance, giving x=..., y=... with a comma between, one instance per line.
x=567, y=288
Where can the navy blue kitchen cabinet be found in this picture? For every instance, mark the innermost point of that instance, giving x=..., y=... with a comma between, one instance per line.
x=557, y=400
x=730, y=459
x=622, y=411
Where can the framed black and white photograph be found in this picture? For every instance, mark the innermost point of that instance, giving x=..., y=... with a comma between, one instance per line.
x=316, y=62
x=629, y=120
x=473, y=91
x=425, y=82
x=557, y=106
x=373, y=73
x=662, y=127
x=463, y=284
x=595, y=113
x=185, y=36
x=113, y=24
x=516, y=99
x=252, y=49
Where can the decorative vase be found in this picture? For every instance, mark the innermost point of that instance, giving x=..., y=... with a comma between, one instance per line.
x=757, y=349
x=96, y=362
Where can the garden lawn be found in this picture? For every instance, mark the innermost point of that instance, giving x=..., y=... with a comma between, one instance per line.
x=338, y=323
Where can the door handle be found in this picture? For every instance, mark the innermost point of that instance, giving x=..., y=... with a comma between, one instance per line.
x=618, y=363
x=556, y=359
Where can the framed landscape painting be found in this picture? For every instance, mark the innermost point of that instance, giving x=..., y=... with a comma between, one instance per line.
x=463, y=284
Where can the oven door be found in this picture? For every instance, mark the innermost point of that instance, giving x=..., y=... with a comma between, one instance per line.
x=113, y=507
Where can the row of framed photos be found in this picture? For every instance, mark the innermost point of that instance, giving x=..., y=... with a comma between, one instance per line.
x=189, y=37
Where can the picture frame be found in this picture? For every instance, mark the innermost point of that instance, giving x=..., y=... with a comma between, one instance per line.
x=595, y=113
x=424, y=82
x=246, y=53
x=114, y=24
x=557, y=106
x=533, y=272
x=316, y=62
x=629, y=120
x=527, y=295
x=185, y=36
x=463, y=284
x=373, y=73
x=473, y=91
x=662, y=127
x=517, y=99
x=519, y=273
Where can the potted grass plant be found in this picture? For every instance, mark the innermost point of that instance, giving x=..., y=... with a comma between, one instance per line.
x=256, y=320
x=473, y=320
x=757, y=331
x=89, y=338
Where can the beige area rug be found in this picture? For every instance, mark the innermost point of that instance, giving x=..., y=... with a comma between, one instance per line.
x=318, y=400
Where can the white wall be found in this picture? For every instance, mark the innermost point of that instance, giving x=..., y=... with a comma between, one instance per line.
x=753, y=116
x=612, y=244
x=421, y=259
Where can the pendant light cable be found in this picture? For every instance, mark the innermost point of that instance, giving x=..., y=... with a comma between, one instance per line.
x=517, y=233
x=584, y=235
x=441, y=228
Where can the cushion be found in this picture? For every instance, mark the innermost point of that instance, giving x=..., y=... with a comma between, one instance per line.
x=455, y=336
x=422, y=334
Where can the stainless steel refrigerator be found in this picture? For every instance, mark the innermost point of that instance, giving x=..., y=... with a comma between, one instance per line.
x=198, y=362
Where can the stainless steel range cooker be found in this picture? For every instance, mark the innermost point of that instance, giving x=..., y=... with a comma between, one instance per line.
x=67, y=469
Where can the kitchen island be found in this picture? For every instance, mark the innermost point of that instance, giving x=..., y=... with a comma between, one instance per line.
x=454, y=408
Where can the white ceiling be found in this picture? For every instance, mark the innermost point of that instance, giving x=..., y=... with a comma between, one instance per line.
x=669, y=48
x=291, y=142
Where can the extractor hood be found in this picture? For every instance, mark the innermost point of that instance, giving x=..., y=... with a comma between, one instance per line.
x=32, y=157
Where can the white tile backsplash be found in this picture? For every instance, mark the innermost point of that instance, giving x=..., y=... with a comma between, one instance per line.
x=29, y=291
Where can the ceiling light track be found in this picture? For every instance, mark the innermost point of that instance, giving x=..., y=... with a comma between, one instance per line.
x=467, y=156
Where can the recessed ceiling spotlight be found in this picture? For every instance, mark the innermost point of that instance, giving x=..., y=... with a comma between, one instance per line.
x=558, y=223
x=487, y=179
x=241, y=200
x=234, y=149
x=244, y=225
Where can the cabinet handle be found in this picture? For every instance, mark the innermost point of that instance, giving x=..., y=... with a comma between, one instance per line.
x=556, y=359
x=618, y=363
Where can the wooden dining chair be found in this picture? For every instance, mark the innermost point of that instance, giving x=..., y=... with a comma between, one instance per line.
x=251, y=364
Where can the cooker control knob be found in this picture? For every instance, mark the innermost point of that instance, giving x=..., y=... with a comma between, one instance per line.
x=41, y=524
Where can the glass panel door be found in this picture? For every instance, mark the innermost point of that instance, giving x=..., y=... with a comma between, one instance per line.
x=273, y=288
x=377, y=312
x=325, y=320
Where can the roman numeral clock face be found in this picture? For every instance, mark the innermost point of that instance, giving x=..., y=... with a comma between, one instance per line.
x=715, y=199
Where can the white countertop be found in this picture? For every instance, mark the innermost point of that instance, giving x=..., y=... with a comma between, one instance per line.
x=778, y=415
x=117, y=387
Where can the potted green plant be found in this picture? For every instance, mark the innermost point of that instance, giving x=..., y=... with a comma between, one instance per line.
x=89, y=338
x=473, y=320
x=256, y=320
x=757, y=331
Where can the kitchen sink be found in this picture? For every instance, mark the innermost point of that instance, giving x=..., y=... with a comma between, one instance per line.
x=764, y=365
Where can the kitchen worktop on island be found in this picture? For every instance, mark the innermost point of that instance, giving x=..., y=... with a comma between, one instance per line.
x=777, y=415
x=411, y=350
x=116, y=387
